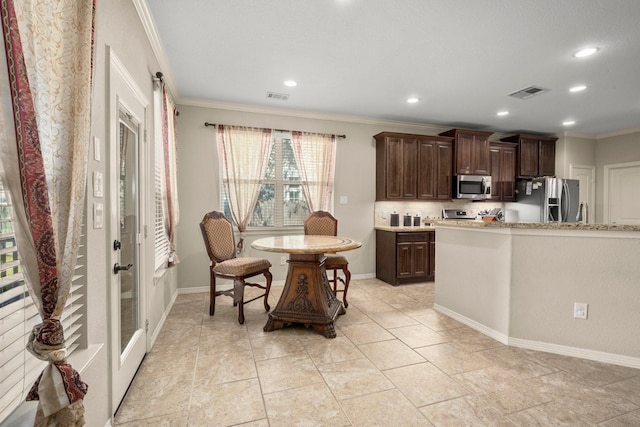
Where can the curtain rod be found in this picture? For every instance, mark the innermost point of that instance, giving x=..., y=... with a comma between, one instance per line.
x=159, y=78
x=207, y=124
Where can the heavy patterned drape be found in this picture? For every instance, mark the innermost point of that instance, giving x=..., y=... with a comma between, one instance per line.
x=48, y=45
x=243, y=153
x=316, y=158
x=169, y=149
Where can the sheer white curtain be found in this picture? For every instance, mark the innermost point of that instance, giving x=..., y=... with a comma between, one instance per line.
x=170, y=189
x=316, y=158
x=243, y=153
x=44, y=143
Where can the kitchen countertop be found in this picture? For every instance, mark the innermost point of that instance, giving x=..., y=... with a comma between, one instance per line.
x=541, y=226
x=421, y=228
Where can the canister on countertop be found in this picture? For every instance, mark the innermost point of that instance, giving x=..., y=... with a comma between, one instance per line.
x=394, y=219
x=407, y=220
x=416, y=221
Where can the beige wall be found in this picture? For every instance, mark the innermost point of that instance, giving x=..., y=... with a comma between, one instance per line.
x=198, y=183
x=572, y=150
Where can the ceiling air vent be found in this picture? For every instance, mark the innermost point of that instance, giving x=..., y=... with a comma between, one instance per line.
x=528, y=92
x=280, y=96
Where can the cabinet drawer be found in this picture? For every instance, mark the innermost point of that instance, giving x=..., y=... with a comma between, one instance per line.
x=411, y=237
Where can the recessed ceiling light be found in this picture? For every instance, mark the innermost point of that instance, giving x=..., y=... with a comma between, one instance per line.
x=413, y=100
x=569, y=123
x=503, y=113
x=585, y=52
x=579, y=88
x=290, y=83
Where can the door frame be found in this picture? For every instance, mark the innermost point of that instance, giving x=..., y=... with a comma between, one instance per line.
x=591, y=202
x=122, y=90
x=606, y=215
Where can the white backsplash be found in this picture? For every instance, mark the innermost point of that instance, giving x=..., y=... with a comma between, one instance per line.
x=427, y=210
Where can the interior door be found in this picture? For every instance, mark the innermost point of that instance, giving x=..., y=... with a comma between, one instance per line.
x=127, y=112
x=622, y=205
x=586, y=175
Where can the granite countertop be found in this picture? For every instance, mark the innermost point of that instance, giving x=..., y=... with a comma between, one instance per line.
x=530, y=225
x=401, y=229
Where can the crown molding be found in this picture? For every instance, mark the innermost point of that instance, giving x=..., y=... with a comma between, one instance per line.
x=156, y=44
x=618, y=133
x=247, y=108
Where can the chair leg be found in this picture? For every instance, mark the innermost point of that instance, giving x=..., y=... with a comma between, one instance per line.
x=347, y=277
x=212, y=293
x=238, y=298
x=269, y=277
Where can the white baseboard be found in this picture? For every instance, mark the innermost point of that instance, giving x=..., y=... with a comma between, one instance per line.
x=582, y=353
x=163, y=318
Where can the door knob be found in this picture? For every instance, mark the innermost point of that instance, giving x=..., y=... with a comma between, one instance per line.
x=117, y=268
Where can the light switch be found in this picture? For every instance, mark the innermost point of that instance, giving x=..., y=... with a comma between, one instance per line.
x=98, y=215
x=98, y=184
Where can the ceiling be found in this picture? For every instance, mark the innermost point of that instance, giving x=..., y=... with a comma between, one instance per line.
x=364, y=58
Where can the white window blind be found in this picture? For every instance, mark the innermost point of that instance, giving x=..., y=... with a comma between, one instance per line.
x=282, y=201
x=161, y=241
x=18, y=315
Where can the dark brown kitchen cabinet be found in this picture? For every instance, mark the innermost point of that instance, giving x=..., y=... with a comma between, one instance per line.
x=536, y=155
x=503, y=171
x=434, y=169
x=412, y=167
x=470, y=151
x=405, y=257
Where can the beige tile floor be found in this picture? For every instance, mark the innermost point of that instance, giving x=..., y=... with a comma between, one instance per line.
x=395, y=362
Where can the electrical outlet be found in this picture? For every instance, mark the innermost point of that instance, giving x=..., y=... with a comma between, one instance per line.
x=580, y=310
x=283, y=260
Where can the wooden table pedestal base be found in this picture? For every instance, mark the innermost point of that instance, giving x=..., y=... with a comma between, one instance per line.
x=307, y=297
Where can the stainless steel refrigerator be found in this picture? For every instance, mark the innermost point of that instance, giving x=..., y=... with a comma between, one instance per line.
x=547, y=200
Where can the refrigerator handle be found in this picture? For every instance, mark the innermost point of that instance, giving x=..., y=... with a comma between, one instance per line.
x=565, y=203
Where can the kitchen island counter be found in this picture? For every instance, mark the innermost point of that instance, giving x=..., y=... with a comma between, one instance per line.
x=536, y=226
x=518, y=283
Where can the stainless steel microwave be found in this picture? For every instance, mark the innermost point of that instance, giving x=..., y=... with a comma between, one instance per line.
x=474, y=187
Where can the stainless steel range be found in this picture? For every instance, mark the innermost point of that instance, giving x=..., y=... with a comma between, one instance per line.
x=457, y=214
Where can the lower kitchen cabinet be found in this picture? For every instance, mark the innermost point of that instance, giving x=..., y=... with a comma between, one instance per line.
x=405, y=257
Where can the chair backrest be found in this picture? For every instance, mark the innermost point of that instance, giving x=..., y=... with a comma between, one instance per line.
x=217, y=232
x=321, y=223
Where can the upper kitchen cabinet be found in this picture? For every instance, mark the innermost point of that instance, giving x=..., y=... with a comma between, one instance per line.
x=503, y=171
x=470, y=151
x=434, y=168
x=412, y=167
x=536, y=155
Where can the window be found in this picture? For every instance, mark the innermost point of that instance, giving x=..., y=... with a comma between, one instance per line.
x=18, y=315
x=161, y=240
x=281, y=201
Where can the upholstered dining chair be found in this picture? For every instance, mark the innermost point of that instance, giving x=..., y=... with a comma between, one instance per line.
x=322, y=223
x=217, y=232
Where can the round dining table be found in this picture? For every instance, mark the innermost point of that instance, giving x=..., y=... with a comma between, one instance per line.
x=306, y=297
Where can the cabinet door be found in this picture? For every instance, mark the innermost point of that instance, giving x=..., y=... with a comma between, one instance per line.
x=410, y=168
x=508, y=176
x=420, y=258
x=444, y=157
x=394, y=168
x=404, y=261
x=427, y=152
x=495, y=155
x=431, y=272
x=464, y=154
x=480, y=161
x=547, y=158
x=528, y=158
